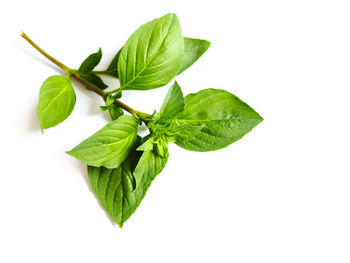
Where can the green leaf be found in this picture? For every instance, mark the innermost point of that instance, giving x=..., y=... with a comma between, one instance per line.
x=115, y=111
x=109, y=100
x=104, y=108
x=94, y=79
x=117, y=189
x=146, y=146
x=173, y=103
x=56, y=101
x=161, y=147
x=110, y=146
x=153, y=54
x=194, y=49
x=148, y=167
x=90, y=62
x=112, y=69
x=212, y=120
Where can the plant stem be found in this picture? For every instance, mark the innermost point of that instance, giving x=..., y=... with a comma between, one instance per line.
x=61, y=65
x=87, y=84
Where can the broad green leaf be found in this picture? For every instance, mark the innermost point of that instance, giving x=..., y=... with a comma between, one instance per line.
x=213, y=119
x=110, y=146
x=173, y=103
x=56, y=101
x=94, y=79
x=91, y=62
x=112, y=69
x=117, y=189
x=194, y=49
x=153, y=54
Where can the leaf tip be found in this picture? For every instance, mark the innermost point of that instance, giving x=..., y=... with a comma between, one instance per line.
x=70, y=153
x=260, y=119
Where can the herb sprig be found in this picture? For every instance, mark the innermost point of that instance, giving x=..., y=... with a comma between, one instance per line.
x=121, y=164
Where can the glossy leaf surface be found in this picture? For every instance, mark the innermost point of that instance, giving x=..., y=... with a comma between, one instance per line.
x=213, y=119
x=110, y=146
x=194, y=49
x=153, y=54
x=117, y=189
x=173, y=103
x=56, y=101
x=91, y=62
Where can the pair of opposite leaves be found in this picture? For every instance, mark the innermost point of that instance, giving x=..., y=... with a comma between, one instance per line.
x=153, y=55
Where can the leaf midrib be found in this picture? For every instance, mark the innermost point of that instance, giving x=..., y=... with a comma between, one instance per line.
x=54, y=99
x=109, y=144
x=147, y=64
x=207, y=120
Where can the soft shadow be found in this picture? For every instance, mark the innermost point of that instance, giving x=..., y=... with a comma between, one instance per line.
x=106, y=116
x=94, y=101
x=83, y=170
x=33, y=122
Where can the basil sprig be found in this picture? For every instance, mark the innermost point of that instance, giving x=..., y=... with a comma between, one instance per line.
x=121, y=165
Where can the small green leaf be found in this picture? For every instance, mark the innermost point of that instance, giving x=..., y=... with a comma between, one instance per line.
x=110, y=146
x=93, y=79
x=115, y=111
x=112, y=69
x=212, y=120
x=56, y=101
x=194, y=49
x=109, y=100
x=153, y=54
x=90, y=62
x=104, y=108
x=161, y=147
x=173, y=103
x=148, y=167
x=146, y=146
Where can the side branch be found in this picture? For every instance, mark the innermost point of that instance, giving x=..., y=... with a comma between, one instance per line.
x=87, y=84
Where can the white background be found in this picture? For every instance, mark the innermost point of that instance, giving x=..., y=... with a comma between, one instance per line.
x=281, y=194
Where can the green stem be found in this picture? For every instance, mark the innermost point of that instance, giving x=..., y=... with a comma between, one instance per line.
x=61, y=65
x=87, y=84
